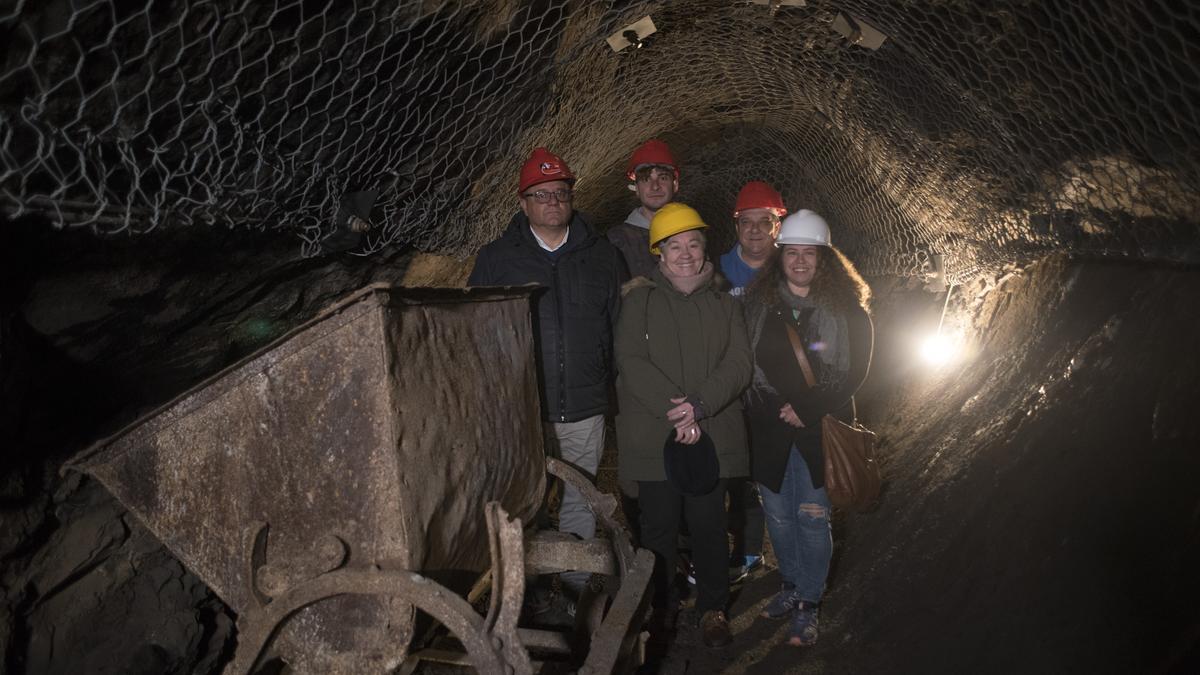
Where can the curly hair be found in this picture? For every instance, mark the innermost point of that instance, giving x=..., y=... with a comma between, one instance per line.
x=835, y=282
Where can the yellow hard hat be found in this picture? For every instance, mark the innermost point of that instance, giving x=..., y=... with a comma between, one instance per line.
x=672, y=219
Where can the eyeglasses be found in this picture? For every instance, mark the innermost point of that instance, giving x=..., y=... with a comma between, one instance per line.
x=543, y=196
x=762, y=223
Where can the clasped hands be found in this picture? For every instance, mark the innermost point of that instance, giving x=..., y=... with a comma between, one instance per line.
x=683, y=416
x=687, y=431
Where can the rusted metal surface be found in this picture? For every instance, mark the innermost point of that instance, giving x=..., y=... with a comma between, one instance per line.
x=366, y=465
x=603, y=506
x=607, y=635
x=383, y=426
x=492, y=644
x=616, y=644
x=551, y=552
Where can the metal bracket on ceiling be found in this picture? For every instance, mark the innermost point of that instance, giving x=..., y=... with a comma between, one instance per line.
x=634, y=35
x=858, y=32
x=774, y=5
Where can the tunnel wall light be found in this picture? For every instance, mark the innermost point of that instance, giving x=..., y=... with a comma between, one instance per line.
x=634, y=35
x=943, y=347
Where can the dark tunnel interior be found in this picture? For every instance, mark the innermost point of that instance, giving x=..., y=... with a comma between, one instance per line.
x=177, y=177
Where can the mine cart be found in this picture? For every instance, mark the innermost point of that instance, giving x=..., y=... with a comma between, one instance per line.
x=380, y=459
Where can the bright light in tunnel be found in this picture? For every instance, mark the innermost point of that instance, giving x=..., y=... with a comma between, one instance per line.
x=941, y=348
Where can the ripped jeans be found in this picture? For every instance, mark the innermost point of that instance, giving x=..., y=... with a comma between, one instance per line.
x=798, y=522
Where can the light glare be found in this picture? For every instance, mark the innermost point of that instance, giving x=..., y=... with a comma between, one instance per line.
x=940, y=349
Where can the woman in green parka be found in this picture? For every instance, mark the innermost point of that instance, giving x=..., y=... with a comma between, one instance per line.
x=682, y=359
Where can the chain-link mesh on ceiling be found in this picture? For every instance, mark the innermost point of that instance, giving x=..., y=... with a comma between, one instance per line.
x=985, y=131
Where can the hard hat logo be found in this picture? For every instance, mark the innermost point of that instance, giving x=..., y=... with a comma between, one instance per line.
x=543, y=166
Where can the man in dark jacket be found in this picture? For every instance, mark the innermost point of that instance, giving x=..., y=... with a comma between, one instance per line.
x=548, y=244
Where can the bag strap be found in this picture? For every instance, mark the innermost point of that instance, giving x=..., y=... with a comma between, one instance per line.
x=798, y=349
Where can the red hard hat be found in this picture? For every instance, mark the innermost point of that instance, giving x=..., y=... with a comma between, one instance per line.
x=652, y=151
x=759, y=195
x=543, y=166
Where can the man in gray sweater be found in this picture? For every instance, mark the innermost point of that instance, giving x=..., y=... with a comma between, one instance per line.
x=653, y=174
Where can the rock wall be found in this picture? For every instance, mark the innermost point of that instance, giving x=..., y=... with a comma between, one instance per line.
x=1041, y=512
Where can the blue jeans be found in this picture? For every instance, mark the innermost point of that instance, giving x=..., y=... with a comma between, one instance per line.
x=798, y=522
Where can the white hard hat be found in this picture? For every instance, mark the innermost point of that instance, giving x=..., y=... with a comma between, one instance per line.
x=804, y=228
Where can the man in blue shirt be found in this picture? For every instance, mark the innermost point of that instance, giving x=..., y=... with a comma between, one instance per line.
x=756, y=216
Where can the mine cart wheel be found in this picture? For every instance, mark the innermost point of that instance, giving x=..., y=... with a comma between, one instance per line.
x=492, y=643
x=256, y=627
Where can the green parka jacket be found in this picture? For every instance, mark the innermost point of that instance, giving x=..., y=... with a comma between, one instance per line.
x=668, y=345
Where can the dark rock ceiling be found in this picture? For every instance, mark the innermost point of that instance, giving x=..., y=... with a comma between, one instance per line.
x=985, y=131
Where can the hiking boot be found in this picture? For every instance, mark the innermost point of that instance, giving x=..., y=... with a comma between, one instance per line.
x=803, y=630
x=714, y=629
x=784, y=602
x=740, y=570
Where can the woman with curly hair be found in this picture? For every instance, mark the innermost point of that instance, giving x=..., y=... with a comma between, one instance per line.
x=810, y=289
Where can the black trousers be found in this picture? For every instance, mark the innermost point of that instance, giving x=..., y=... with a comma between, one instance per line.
x=661, y=507
x=746, y=519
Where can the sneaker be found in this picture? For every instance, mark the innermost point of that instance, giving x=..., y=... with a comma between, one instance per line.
x=739, y=571
x=804, y=625
x=784, y=602
x=714, y=629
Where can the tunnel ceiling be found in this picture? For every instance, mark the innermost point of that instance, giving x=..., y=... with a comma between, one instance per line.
x=982, y=131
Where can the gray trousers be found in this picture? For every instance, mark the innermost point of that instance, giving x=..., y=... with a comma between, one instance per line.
x=578, y=444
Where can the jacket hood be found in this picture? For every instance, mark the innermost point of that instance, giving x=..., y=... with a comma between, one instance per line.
x=636, y=283
x=717, y=283
x=638, y=218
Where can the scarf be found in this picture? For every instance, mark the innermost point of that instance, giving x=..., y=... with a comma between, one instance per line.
x=825, y=337
x=687, y=284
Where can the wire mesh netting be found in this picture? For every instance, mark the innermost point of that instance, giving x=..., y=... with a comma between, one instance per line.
x=981, y=131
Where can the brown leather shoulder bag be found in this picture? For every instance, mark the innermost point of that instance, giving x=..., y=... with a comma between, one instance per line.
x=852, y=478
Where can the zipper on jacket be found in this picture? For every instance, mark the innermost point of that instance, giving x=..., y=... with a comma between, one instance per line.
x=562, y=361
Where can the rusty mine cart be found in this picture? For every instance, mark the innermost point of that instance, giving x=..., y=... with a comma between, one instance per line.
x=386, y=457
